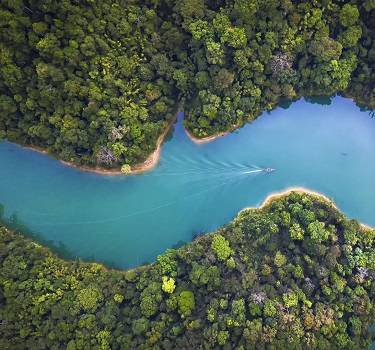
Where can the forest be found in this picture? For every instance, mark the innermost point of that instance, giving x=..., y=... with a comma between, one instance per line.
x=295, y=274
x=95, y=82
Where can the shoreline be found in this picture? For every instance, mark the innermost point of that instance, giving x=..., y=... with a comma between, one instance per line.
x=267, y=201
x=206, y=139
x=279, y=194
x=147, y=165
x=211, y=138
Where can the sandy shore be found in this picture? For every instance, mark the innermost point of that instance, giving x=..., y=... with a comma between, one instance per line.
x=205, y=139
x=145, y=166
x=209, y=138
x=277, y=195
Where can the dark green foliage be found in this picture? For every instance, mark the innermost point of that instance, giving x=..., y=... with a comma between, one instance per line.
x=283, y=50
x=96, y=82
x=91, y=81
x=317, y=292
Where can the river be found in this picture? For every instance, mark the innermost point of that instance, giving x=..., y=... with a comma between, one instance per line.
x=125, y=221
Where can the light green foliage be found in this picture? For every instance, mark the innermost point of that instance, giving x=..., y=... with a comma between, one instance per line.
x=338, y=282
x=349, y=15
x=235, y=37
x=296, y=232
x=350, y=36
x=211, y=314
x=318, y=232
x=355, y=325
x=298, y=272
x=238, y=312
x=215, y=52
x=118, y=298
x=200, y=30
x=290, y=299
x=280, y=259
x=222, y=337
x=126, y=169
x=266, y=270
x=254, y=309
x=269, y=309
x=223, y=304
x=168, y=285
x=231, y=263
x=167, y=262
x=193, y=325
x=103, y=338
x=221, y=247
x=89, y=298
x=186, y=302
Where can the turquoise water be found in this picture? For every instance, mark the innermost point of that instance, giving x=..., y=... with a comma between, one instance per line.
x=126, y=221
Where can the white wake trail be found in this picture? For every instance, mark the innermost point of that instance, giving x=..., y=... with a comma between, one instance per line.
x=252, y=171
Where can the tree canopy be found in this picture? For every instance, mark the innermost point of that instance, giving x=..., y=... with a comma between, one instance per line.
x=96, y=82
x=294, y=274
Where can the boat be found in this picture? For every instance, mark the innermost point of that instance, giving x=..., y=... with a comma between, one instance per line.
x=268, y=170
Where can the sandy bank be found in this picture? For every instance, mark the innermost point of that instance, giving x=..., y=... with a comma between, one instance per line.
x=205, y=139
x=150, y=163
x=210, y=138
x=276, y=195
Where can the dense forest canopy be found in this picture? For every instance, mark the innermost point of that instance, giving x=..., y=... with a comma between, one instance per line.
x=294, y=274
x=96, y=82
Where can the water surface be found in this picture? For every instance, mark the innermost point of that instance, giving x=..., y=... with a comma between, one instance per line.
x=126, y=221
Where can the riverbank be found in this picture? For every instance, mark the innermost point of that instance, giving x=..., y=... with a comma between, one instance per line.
x=207, y=139
x=277, y=195
x=147, y=165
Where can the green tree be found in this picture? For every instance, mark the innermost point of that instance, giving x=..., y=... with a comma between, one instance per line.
x=221, y=247
x=89, y=298
x=349, y=15
x=186, y=302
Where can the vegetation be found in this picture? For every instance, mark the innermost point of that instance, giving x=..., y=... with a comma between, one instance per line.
x=303, y=276
x=96, y=82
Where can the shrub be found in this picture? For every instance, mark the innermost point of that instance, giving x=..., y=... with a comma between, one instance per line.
x=222, y=337
x=221, y=247
x=168, y=285
x=269, y=309
x=186, y=302
x=279, y=259
x=296, y=232
x=89, y=298
x=290, y=299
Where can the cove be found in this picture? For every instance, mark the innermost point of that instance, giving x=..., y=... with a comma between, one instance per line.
x=125, y=221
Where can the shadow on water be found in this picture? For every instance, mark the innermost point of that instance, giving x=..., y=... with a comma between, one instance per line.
x=179, y=244
x=285, y=103
x=14, y=223
x=320, y=100
x=323, y=101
